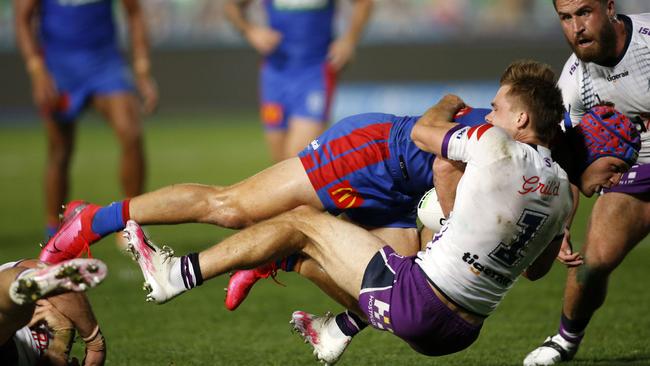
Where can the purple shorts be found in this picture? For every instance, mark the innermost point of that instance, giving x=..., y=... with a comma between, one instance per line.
x=396, y=296
x=634, y=181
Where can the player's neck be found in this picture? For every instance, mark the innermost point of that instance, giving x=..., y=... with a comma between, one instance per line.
x=530, y=138
x=621, y=38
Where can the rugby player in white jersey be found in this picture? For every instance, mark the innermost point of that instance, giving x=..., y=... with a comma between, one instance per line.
x=39, y=314
x=437, y=300
x=611, y=62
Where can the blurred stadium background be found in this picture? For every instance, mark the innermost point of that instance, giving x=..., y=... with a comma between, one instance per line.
x=206, y=130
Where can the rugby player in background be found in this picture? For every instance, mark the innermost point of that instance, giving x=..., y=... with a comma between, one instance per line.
x=302, y=60
x=611, y=63
x=72, y=56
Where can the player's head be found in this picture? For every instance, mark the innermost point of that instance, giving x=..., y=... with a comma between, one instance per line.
x=588, y=26
x=605, y=144
x=529, y=100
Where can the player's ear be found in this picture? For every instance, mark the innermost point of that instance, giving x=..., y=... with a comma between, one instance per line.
x=522, y=120
x=610, y=8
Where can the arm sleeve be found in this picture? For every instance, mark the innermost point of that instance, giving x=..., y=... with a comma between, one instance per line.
x=475, y=144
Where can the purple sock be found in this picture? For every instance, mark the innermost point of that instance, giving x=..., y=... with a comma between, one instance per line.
x=350, y=323
x=572, y=330
x=109, y=219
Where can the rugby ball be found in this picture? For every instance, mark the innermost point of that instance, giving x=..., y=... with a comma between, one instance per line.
x=430, y=212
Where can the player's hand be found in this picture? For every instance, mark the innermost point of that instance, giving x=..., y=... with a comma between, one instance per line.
x=44, y=91
x=48, y=314
x=340, y=53
x=94, y=358
x=566, y=255
x=263, y=39
x=148, y=90
x=452, y=103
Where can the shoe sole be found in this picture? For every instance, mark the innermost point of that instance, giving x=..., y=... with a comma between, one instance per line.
x=75, y=275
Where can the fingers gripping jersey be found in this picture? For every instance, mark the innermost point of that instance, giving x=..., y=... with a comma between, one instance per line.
x=626, y=84
x=511, y=202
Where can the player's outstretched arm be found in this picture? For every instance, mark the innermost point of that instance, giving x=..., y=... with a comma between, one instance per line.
x=342, y=50
x=430, y=130
x=141, y=59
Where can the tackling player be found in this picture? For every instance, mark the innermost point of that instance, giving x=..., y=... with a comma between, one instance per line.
x=73, y=60
x=36, y=325
x=437, y=300
x=610, y=63
x=301, y=63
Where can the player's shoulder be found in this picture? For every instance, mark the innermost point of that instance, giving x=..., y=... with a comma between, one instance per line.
x=640, y=22
x=571, y=67
x=489, y=137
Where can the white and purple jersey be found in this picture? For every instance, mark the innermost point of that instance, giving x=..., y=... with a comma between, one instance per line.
x=512, y=201
x=626, y=84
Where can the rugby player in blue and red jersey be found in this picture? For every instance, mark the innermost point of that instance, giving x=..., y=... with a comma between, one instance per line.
x=301, y=61
x=365, y=166
x=73, y=60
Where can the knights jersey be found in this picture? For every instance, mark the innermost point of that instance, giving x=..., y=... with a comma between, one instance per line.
x=307, y=31
x=76, y=25
x=511, y=202
x=627, y=84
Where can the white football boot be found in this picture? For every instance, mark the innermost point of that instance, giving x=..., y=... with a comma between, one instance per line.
x=155, y=264
x=554, y=350
x=75, y=275
x=323, y=334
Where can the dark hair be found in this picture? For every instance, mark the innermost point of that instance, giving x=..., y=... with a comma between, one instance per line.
x=533, y=85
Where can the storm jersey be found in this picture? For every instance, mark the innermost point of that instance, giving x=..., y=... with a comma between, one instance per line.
x=306, y=27
x=72, y=25
x=627, y=84
x=512, y=201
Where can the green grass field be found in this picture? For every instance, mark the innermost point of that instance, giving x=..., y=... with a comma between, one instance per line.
x=195, y=329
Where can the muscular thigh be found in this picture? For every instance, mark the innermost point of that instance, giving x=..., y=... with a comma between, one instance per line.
x=341, y=248
x=618, y=222
x=275, y=190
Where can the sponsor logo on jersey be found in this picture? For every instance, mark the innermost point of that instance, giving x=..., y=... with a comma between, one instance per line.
x=314, y=144
x=534, y=184
x=299, y=4
x=574, y=67
x=618, y=76
x=479, y=269
x=344, y=196
x=645, y=31
x=379, y=311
